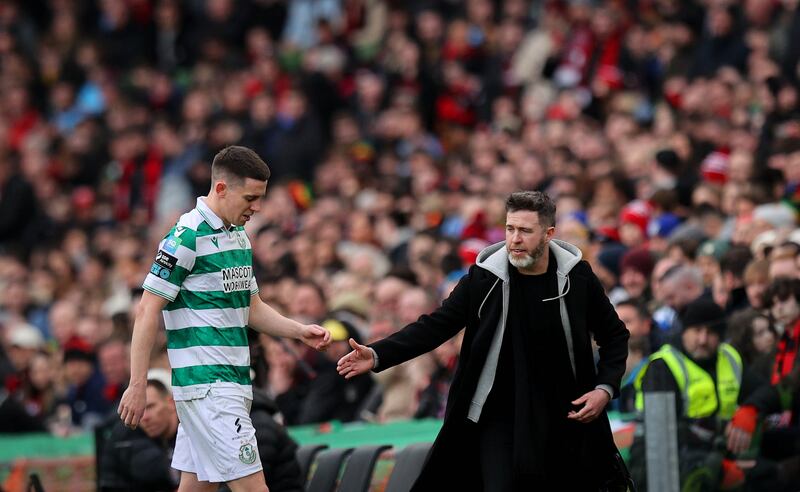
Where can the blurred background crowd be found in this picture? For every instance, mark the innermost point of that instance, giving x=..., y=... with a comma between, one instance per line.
x=666, y=130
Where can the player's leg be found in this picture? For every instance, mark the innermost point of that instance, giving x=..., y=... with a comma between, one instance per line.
x=190, y=483
x=250, y=483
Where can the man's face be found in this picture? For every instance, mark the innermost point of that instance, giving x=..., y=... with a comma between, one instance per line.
x=114, y=363
x=783, y=267
x=158, y=414
x=785, y=312
x=700, y=342
x=763, y=337
x=755, y=291
x=633, y=282
x=242, y=199
x=634, y=322
x=526, y=238
x=307, y=303
x=77, y=371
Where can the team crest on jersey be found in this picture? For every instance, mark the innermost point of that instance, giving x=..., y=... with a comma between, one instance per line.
x=247, y=454
x=241, y=240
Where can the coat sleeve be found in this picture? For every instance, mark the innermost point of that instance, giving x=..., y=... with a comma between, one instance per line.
x=609, y=333
x=429, y=331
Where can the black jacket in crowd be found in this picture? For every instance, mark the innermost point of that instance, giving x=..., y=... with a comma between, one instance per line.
x=130, y=461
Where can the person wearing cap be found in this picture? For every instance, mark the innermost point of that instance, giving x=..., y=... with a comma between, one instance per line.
x=704, y=374
x=708, y=257
x=526, y=407
x=84, y=395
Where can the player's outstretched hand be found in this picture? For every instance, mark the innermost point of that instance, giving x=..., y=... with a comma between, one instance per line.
x=131, y=406
x=315, y=337
x=357, y=362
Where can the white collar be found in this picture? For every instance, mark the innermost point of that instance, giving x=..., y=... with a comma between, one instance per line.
x=213, y=219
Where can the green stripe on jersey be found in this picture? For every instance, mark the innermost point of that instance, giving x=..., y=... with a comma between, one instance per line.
x=225, y=259
x=188, y=376
x=203, y=229
x=177, y=276
x=214, y=299
x=207, y=336
x=186, y=237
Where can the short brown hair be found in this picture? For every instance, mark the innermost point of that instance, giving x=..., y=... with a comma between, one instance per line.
x=239, y=162
x=534, y=201
x=757, y=272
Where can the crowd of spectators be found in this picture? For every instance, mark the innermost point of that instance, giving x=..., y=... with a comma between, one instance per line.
x=667, y=131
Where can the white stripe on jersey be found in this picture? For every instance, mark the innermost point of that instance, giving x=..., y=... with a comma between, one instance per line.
x=187, y=318
x=209, y=355
x=224, y=242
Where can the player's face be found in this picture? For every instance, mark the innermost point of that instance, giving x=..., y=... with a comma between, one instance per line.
x=242, y=200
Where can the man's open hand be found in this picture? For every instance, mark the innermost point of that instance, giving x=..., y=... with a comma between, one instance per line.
x=357, y=362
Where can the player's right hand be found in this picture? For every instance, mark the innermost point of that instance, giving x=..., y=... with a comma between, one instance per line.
x=357, y=362
x=131, y=406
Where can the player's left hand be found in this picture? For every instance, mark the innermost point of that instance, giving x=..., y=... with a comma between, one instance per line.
x=315, y=337
x=593, y=404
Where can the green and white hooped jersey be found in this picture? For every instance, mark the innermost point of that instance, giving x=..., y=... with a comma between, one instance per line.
x=205, y=271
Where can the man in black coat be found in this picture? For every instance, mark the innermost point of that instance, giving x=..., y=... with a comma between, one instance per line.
x=526, y=409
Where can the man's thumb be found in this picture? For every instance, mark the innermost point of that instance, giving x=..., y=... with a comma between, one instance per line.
x=355, y=345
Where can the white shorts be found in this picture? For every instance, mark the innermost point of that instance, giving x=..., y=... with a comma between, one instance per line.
x=216, y=438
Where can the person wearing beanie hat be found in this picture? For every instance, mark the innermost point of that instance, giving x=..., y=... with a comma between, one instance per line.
x=607, y=265
x=635, y=269
x=659, y=230
x=704, y=374
x=633, y=222
x=85, y=384
x=707, y=258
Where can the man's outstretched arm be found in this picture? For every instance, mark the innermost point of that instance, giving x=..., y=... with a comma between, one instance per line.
x=131, y=406
x=265, y=319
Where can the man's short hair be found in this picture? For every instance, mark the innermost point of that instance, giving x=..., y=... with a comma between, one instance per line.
x=735, y=260
x=159, y=386
x=238, y=163
x=640, y=309
x=534, y=201
x=782, y=288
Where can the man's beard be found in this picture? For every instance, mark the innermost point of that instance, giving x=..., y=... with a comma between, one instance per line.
x=530, y=259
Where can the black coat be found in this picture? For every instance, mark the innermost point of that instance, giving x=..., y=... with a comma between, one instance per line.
x=453, y=462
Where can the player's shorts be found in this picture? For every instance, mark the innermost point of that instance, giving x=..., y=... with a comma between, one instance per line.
x=216, y=438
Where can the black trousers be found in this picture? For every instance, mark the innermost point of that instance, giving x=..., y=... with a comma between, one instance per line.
x=496, y=440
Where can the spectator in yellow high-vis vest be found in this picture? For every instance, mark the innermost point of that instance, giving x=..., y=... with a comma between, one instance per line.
x=704, y=373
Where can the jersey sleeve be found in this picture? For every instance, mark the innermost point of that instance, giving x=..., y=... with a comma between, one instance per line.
x=173, y=261
x=253, y=285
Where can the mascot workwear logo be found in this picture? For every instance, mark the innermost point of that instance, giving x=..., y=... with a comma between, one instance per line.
x=247, y=454
x=236, y=278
